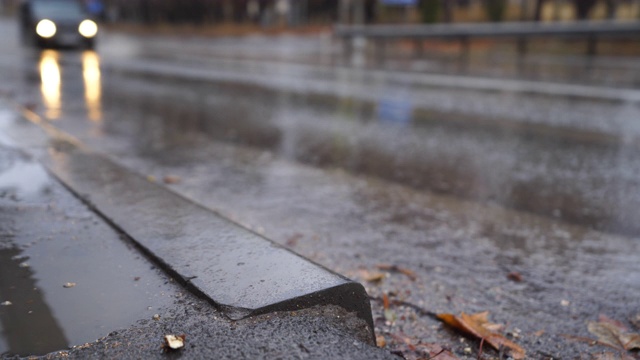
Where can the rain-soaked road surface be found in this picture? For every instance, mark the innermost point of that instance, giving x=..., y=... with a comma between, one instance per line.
x=355, y=168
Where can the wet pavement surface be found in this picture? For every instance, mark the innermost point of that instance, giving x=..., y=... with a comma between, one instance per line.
x=51, y=240
x=71, y=281
x=462, y=187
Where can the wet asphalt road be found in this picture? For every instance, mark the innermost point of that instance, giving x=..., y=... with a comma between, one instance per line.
x=354, y=170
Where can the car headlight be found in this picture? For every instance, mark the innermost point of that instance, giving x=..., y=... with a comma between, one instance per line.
x=88, y=28
x=46, y=28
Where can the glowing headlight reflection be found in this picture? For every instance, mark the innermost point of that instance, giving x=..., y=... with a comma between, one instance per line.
x=92, y=86
x=46, y=28
x=88, y=28
x=50, y=76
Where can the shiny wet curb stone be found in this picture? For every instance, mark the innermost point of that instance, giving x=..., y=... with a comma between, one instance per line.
x=241, y=272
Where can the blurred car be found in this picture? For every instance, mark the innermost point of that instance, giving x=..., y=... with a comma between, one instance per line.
x=64, y=23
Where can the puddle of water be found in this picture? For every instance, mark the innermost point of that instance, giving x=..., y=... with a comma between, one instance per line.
x=580, y=176
x=23, y=181
x=47, y=240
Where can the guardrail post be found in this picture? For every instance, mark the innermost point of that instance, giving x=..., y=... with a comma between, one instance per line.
x=464, y=48
x=381, y=50
x=419, y=47
x=522, y=45
x=592, y=45
x=347, y=46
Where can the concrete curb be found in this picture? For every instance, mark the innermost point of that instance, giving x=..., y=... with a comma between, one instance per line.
x=240, y=272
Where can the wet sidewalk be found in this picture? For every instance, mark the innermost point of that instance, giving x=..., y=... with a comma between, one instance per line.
x=67, y=278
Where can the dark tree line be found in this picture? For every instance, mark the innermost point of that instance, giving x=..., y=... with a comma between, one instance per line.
x=325, y=11
x=214, y=11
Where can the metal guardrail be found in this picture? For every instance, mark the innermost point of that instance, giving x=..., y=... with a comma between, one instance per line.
x=519, y=30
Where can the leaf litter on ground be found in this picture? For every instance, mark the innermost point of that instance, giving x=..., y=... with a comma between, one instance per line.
x=395, y=268
x=479, y=326
x=412, y=349
x=614, y=334
x=611, y=356
x=373, y=277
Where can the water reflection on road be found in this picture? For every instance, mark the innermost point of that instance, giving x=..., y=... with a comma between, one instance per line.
x=51, y=78
x=572, y=174
x=92, y=84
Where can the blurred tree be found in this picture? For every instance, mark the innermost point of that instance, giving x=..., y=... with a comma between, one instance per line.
x=495, y=9
x=537, y=16
x=370, y=11
x=447, y=10
x=430, y=11
x=583, y=8
x=524, y=6
x=612, y=7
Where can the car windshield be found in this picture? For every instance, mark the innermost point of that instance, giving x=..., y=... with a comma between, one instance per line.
x=57, y=9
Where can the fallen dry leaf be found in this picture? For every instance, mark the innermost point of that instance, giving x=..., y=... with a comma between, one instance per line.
x=514, y=276
x=373, y=276
x=389, y=314
x=293, y=240
x=635, y=320
x=611, y=356
x=174, y=342
x=605, y=319
x=69, y=285
x=170, y=179
x=437, y=352
x=394, y=268
x=479, y=326
x=381, y=341
x=613, y=333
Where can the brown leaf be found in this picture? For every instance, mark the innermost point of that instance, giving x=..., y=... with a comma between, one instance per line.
x=631, y=341
x=373, y=277
x=478, y=325
x=437, y=352
x=605, y=319
x=514, y=276
x=293, y=240
x=381, y=341
x=611, y=356
x=635, y=320
x=170, y=179
x=385, y=301
x=394, y=268
x=614, y=334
